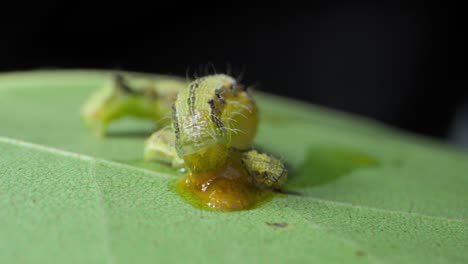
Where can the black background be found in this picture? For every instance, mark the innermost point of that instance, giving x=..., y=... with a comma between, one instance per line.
x=396, y=63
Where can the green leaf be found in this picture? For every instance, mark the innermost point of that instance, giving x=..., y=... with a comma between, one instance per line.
x=360, y=192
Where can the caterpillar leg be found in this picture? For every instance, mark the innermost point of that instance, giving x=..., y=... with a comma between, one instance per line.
x=160, y=147
x=267, y=172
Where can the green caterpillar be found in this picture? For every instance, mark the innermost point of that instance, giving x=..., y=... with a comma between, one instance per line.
x=210, y=116
x=136, y=95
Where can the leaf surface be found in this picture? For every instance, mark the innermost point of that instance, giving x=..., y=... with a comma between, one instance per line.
x=360, y=192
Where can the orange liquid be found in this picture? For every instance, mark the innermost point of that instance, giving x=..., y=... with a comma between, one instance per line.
x=226, y=189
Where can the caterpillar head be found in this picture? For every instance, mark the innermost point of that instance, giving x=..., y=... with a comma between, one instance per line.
x=266, y=171
x=202, y=138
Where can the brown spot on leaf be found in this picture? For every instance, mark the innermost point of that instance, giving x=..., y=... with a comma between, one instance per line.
x=360, y=253
x=278, y=225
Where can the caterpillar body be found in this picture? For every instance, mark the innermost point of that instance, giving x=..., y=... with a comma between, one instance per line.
x=137, y=96
x=214, y=120
x=211, y=116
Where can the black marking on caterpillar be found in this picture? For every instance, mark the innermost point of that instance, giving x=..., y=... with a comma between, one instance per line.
x=219, y=96
x=175, y=122
x=191, y=98
x=215, y=115
x=122, y=85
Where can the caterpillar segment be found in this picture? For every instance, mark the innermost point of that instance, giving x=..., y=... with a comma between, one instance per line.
x=214, y=114
x=130, y=96
x=265, y=170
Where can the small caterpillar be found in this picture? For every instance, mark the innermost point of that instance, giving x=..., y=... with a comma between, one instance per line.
x=265, y=170
x=211, y=116
x=136, y=96
x=214, y=114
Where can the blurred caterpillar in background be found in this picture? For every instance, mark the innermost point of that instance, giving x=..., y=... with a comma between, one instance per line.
x=136, y=96
x=211, y=116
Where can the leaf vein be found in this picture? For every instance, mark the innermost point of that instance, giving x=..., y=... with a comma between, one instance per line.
x=388, y=211
x=105, y=216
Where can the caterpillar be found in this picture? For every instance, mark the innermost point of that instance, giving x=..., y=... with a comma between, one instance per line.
x=265, y=170
x=214, y=114
x=134, y=95
x=213, y=122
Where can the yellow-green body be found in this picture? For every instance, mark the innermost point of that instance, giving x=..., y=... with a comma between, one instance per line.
x=210, y=117
x=134, y=96
x=213, y=114
x=160, y=147
x=265, y=170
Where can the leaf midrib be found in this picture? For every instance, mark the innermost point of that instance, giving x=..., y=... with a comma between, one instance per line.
x=152, y=173
x=65, y=153
x=105, y=221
